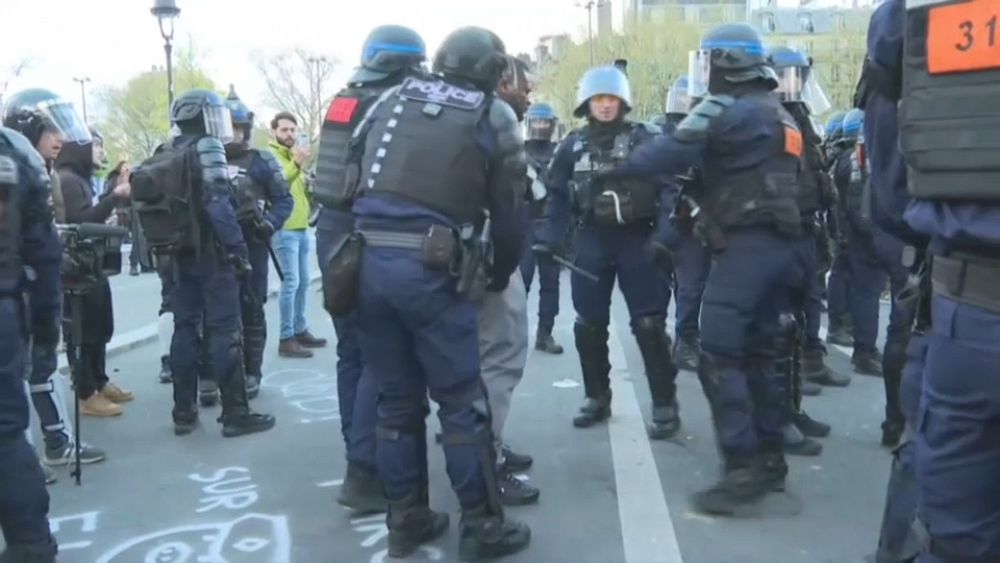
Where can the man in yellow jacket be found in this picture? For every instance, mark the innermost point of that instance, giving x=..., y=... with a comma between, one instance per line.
x=291, y=243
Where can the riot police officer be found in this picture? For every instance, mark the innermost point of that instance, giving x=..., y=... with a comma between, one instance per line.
x=262, y=205
x=540, y=124
x=207, y=257
x=436, y=152
x=691, y=257
x=946, y=113
x=838, y=288
x=749, y=149
x=614, y=240
x=389, y=55
x=49, y=122
x=28, y=241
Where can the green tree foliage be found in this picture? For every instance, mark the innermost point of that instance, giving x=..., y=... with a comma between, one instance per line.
x=657, y=53
x=135, y=116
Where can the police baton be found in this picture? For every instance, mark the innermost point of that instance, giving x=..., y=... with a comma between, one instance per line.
x=574, y=268
x=277, y=265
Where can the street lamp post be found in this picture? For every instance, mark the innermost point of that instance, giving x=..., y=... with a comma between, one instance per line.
x=317, y=61
x=166, y=11
x=589, y=5
x=83, y=94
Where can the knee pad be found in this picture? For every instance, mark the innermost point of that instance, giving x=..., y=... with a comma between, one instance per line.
x=400, y=416
x=654, y=323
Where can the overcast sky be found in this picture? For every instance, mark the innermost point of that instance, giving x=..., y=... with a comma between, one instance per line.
x=112, y=40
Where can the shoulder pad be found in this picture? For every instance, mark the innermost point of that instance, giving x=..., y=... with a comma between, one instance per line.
x=503, y=120
x=268, y=157
x=698, y=122
x=22, y=146
x=342, y=110
x=441, y=93
x=209, y=143
x=649, y=127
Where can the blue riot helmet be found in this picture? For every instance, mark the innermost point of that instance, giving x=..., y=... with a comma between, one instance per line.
x=853, y=123
x=678, y=99
x=388, y=50
x=796, y=81
x=240, y=114
x=540, y=122
x=202, y=112
x=32, y=112
x=602, y=81
x=729, y=54
x=834, y=125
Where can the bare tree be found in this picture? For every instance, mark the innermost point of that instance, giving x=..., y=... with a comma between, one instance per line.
x=300, y=83
x=13, y=72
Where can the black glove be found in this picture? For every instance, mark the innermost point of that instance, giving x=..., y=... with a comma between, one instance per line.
x=264, y=230
x=242, y=267
x=543, y=253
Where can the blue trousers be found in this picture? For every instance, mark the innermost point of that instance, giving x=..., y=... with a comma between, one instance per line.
x=292, y=248
x=418, y=336
x=548, y=286
x=24, y=502
x=616, y=254
x=692, y=261
x=875, y=256
x=748, y=287
x=958, y=433
x=813, y=305
x=356, y=389
x=206, y=292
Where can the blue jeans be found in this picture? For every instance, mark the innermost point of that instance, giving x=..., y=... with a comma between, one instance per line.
x=292, y=248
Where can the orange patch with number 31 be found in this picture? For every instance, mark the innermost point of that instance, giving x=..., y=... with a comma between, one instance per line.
x=793, y=142
x=963, y=37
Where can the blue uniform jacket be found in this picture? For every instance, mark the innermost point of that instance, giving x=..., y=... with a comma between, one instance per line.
x=508, y=228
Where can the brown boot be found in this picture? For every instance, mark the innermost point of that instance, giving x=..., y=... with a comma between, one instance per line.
x=307, y=340
x=98, y=405
x=116, y=394
x=290, y=348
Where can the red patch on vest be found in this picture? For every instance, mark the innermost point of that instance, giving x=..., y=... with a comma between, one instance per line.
x=342, y=110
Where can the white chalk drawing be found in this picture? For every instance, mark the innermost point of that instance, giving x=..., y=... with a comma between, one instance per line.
x=88, y=524
x=235, y=492
x=374, y=526
x=312, y=392
x=250, y=538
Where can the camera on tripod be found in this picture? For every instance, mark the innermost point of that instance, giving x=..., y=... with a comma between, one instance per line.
x=91, y=252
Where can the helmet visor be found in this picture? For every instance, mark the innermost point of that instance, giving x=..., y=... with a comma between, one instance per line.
x=218, y=123
x=699, y=71
x=678, y=101
x=539, y=128
x=60, y=115
x=815, y=96
x=790, y=82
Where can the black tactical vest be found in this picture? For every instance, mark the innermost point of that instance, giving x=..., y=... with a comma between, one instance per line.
x=618, y=202
x=950, y=111
x=346, y=111
x=812, y=165
x=249, y=196
x=766, y=195
x=422, y=147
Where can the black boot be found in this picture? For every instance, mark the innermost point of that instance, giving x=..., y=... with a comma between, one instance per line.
x=592, y=346
x=544, y=341
x=237, y=419
x=867, y=362
x=773, y=465
x=208, y=393
x=185, y=421
x=686, y=352
x=515, y=492
x=654, y=345
x=412, y=523
x=810, y=427
x=815, y=371
x=486, y=535
x=892, y=433
x=514, y=462
x=743, y=484
x=798, y=444
x=838, y=333
x=362, y=490
x=166, y=376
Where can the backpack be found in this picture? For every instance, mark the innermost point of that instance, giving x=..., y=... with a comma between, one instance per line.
x=166, y=196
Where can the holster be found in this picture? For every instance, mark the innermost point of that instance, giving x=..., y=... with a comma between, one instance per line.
x=342, y=277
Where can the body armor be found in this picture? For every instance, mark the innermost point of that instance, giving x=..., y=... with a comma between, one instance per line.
x=19, y=165
x=422, y=147
x=767, y=195
x=612, y=202
x=250, y=197
x=346, y=111
x=951, y=101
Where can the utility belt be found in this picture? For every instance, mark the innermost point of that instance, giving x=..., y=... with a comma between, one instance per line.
x=969, y=279
x=626, y=205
